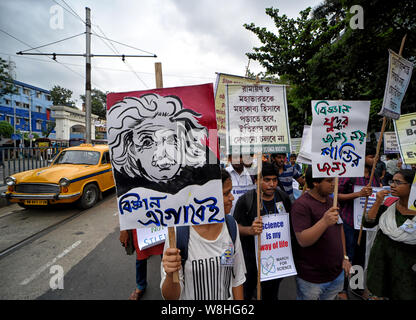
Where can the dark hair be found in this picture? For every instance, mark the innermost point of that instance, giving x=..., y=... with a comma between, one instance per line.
x=274, y=155
x=225, y=175
x=407, y=174
x=370, y=150
x=268, y=169
x=309, y=179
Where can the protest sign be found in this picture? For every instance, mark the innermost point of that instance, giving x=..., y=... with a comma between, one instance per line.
x=398, y=78
x=150, y=237
x=359, y=205
x=390, y=143
x=220, y=102
x=276, y=248
x=412, y=196
x=239, y=191
x=164, y=157
x=339, y=130
x=405, y=129
x=257, y=119
x=305, y=151
x=295, y=143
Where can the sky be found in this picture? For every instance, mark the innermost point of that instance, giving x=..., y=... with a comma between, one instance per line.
x=192, y=39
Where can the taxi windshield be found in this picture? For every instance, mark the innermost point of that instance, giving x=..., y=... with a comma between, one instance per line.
x=78, y=157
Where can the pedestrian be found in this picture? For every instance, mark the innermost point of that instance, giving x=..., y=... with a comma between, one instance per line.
x=241, y=178
x=294, y=164
x=274, y=200
x=214, y=268
x=391, y=168
x=391, y=269
x=346, y=196
x=286, y=174
x=128, y=238
x=320, y=258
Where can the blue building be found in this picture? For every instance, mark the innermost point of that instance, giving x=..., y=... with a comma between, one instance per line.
x=29, y=105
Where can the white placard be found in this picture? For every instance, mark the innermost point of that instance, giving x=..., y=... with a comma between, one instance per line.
x=339, y=130
x=150, y=237
x=390, y=143
x=276, y=248
x=398, y=78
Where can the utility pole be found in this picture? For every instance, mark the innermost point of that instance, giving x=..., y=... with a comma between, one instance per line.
x=88, y=57
x=88, y=77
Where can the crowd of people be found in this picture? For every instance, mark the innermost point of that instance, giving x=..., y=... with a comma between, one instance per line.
x=219, y=260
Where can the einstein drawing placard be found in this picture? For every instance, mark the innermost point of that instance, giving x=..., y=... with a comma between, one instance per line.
x=164, y=155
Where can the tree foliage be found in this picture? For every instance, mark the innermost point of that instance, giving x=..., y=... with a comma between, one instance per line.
x=320, y=56
x=98, y=103
x=6, y=80
x=62, y=97
x=6, y=129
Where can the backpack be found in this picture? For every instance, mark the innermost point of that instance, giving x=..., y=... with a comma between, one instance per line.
x=182, y=237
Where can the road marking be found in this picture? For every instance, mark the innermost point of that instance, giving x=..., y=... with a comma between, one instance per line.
x=50, y=263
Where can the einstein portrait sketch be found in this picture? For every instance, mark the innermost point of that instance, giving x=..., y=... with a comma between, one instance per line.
x=155, y=142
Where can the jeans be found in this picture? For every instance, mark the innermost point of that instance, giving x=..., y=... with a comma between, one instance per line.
x=141, y=274
x=319, y=291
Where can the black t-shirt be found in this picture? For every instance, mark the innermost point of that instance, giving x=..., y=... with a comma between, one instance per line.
x=246, y=212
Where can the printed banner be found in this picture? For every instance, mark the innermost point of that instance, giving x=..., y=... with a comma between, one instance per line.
x=239, y=191
x=150, y=237
x=412, y=196
x=359, y=205
x=276, y=248
x=257, y=119
x=295, y=142
x=164, y=155
x=305, y=151
x=405, y=129
x=339, y=131
x=390, y=143
x=398, y=78
x=221, y=82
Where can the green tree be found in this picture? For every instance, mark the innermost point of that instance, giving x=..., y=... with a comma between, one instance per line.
x=62, y=96
x=6, y=80
x=322, y=57
x=6, y=129
x=49, y=128
x=98, y=103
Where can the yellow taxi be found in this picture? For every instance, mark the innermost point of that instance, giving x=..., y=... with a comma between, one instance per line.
x=77, y=174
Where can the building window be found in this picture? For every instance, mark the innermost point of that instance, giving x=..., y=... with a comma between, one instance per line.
x=7, y=101
x=38, y=109
x=26, y=105
x=26, y=92
x=38, y=125
x=18, y=122
x=9, y=119
x=48, y=97
x=38, y=94
x=18, y=104
x=18, y=89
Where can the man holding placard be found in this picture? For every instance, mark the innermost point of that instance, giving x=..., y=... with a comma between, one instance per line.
x=321, y=257
x=275, y=201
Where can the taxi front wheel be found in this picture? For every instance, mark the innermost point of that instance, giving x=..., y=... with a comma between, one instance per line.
x=89, y=197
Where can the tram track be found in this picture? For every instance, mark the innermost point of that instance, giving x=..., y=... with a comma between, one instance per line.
x=38, y=234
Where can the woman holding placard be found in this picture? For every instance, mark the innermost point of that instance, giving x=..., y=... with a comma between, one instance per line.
x=392, y=263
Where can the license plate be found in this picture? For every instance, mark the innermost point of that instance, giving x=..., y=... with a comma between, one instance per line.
x=36, y=202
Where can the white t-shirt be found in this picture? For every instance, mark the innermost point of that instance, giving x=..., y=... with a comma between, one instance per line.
x=241, y=184
x=206, y=278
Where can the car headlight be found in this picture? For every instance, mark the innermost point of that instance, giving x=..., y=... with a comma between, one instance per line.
x=10, y=181
x=64, y=182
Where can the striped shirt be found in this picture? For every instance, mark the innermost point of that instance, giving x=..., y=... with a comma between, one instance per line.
x=286, y=179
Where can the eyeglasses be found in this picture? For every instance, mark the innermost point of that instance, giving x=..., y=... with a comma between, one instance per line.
x=397, y=182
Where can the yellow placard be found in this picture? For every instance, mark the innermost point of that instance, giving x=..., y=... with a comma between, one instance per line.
x=405, y=128
x=220, y=103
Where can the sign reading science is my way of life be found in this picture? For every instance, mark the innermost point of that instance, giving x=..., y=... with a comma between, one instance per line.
x=339, y=130
x=164, y=155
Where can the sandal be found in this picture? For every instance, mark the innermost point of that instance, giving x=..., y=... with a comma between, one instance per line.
x=137, y=294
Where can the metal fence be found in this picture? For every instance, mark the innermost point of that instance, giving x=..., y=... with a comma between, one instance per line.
x=14, y=160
